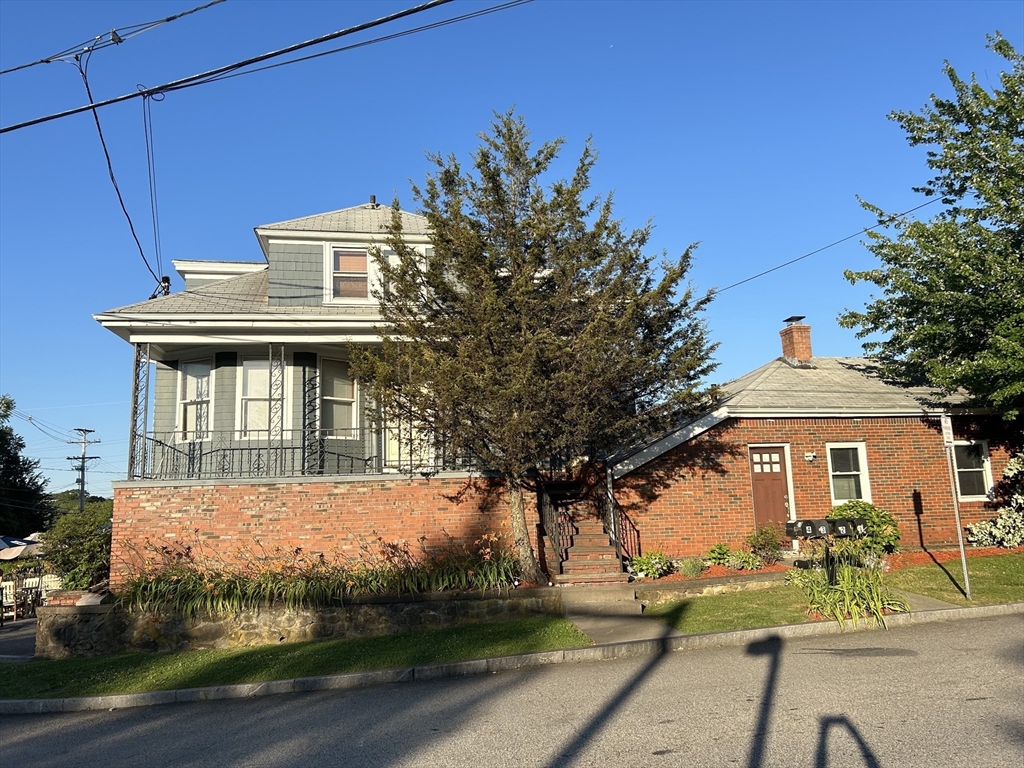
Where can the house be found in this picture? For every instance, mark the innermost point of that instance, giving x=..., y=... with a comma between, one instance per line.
x=247, y=426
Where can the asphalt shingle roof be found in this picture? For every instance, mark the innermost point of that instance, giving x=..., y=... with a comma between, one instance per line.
x=358, y=218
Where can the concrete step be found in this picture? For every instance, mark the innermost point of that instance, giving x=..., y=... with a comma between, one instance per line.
x=599, y=593
x=606, y=550
x=597, y=567
x=619, y=608
x=590, y=578
x=591, y=540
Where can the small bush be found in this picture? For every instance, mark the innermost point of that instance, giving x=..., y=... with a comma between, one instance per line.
x=719, y=554
x=653, y=565
x=77, y=547
x=1006, y=529
x=883, y=531
x=766, y=543
x=691, y=567
x=856, y=594
x=743, y=561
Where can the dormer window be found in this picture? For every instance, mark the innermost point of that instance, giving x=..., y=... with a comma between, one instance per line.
x=349, y=274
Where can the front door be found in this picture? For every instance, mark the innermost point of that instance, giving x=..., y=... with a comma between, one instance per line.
x=768, y=479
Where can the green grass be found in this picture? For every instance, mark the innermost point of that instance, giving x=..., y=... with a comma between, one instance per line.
x=994, y=579
x=737, y=610
x=137, y=672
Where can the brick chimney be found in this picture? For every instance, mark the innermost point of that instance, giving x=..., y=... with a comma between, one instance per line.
x=796, y=341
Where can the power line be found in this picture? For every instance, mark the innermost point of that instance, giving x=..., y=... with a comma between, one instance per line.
x=107, y=39
x=202, y=77
x=154, y=210
x=858, y=233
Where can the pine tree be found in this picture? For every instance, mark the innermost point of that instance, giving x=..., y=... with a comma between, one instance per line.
x=24, y=505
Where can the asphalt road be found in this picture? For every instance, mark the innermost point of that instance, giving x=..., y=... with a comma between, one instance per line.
x=932, y=695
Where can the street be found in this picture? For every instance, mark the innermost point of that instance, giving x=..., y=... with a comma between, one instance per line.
x=932, y=695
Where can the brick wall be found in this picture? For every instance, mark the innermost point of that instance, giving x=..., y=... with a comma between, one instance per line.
x=329, y=517
x=699, y=493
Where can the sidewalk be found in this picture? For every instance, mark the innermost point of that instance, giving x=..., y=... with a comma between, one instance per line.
x=17, y=640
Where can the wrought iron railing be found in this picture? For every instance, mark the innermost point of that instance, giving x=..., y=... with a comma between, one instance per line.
x=558, y=527
x=237, y=454
x=625, y=535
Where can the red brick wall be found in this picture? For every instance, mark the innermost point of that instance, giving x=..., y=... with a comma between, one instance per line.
x=333, y=518
x=699, y=493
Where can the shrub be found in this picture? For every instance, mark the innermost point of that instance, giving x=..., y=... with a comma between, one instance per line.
x=1006, y=529
x=691, y=566
x=187, y=581
x=653, y=565
x=719, y=554
x=739, y=561
x=77, y=547
x=766, y=543
x=854, y=593
x=883, y=531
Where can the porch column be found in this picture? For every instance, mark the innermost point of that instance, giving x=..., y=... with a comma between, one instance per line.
x=137, y=467
x=312, y=443
x=276, y=417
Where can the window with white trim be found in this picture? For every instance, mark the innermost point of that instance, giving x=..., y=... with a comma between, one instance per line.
x=194, y=400
x=848, y=472
x=973, y=477
x=349, y=275
x=338, y=400
x=254, y=398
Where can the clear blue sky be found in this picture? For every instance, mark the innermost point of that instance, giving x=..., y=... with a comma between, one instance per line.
x=747, y=126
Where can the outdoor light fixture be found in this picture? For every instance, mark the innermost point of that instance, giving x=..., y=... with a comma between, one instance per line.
x=810, y=457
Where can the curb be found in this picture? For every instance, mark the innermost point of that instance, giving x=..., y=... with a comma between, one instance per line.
x=457, y=669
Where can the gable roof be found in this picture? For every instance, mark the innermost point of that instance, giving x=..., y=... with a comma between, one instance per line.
x=370, y=219
x=844, y=387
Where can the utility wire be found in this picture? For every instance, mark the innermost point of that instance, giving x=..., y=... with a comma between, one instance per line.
x=82, y=64
x=154, y=209
x=107, y=39
x=858, y=233
x=202, y=77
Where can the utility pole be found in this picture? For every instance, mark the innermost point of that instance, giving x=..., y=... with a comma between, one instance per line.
x=85, y=442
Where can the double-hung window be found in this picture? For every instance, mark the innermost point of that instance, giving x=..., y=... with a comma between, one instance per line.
x=848, y=472
x=349, y=277
x=973, y=478
x=194, y=401
x=338, y=406
x=254, y=401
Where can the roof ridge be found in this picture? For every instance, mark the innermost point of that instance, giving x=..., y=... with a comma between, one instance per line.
x=360, y=206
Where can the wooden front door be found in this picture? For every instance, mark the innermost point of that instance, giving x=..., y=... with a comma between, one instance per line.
x=768, y=479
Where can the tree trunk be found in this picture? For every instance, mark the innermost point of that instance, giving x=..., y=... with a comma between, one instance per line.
x=521, y=535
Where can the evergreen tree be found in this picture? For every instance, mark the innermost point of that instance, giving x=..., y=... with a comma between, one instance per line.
x=24, y=505
x=535, y=326
x=952, y=309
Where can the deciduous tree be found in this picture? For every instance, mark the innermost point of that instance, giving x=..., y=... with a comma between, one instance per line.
x=24, y=505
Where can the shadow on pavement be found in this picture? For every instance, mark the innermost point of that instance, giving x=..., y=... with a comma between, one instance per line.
x=821, y=757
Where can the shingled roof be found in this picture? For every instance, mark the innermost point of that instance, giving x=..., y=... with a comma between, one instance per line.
x=371, y=219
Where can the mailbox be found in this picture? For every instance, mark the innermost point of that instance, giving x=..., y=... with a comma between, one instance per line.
x=842, y=528
x=860, y=526
x=801, y=529
x=822, y=528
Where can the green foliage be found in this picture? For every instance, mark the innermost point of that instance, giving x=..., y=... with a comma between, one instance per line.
x=883, y=530
x=537, y=326
x=691, y=567
x=853, y=594
x=719, y=554
x=652, y=565
x=739, y=560
x=1006, y=529
x=24, y=506
x=78, y=546
x=952, y=306
x=188, y=582
x=766, y=543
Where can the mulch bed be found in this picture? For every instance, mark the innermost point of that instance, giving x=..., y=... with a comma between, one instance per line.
x=906, y=559
x=716, y=571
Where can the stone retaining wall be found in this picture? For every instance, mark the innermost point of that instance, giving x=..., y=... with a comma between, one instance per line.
x=652, y=593
x=100, y=630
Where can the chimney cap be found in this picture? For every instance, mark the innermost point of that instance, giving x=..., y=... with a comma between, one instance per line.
x=794, y=319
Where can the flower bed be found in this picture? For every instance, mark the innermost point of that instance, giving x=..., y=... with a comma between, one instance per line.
x=720, y=571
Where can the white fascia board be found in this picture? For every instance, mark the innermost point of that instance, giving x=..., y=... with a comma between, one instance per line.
x=833, y=413
x=251, y=338
x=667, y=443
x=215, y=270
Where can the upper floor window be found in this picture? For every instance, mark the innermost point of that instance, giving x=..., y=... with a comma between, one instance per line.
x=338, y=411
x=349, y=274
x=194, y=401
x=848, y=472
x=973, y=480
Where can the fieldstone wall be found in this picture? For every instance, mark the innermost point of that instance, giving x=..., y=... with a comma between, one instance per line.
x=100, y=630
x=652, y=593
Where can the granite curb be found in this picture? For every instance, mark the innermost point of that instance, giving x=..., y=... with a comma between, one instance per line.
x=457, y=669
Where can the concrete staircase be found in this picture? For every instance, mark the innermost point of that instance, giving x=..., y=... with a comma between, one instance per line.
x=591, y=557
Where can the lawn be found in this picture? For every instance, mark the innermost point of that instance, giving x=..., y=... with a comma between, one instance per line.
x=994, y=579
x=132, y=673
x=738, y=610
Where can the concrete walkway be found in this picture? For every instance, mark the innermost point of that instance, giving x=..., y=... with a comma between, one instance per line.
x=919, y=603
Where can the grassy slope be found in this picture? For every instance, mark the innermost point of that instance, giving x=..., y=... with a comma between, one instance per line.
x=738, y=610
x=137, y=672
x=994, y=579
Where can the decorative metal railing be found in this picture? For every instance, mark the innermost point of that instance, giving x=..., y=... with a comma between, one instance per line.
x=624, y=533
x=558, y=527
x=234, y=454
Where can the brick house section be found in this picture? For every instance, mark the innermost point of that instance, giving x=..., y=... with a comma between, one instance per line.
x=336, y=517
x=699, y=493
